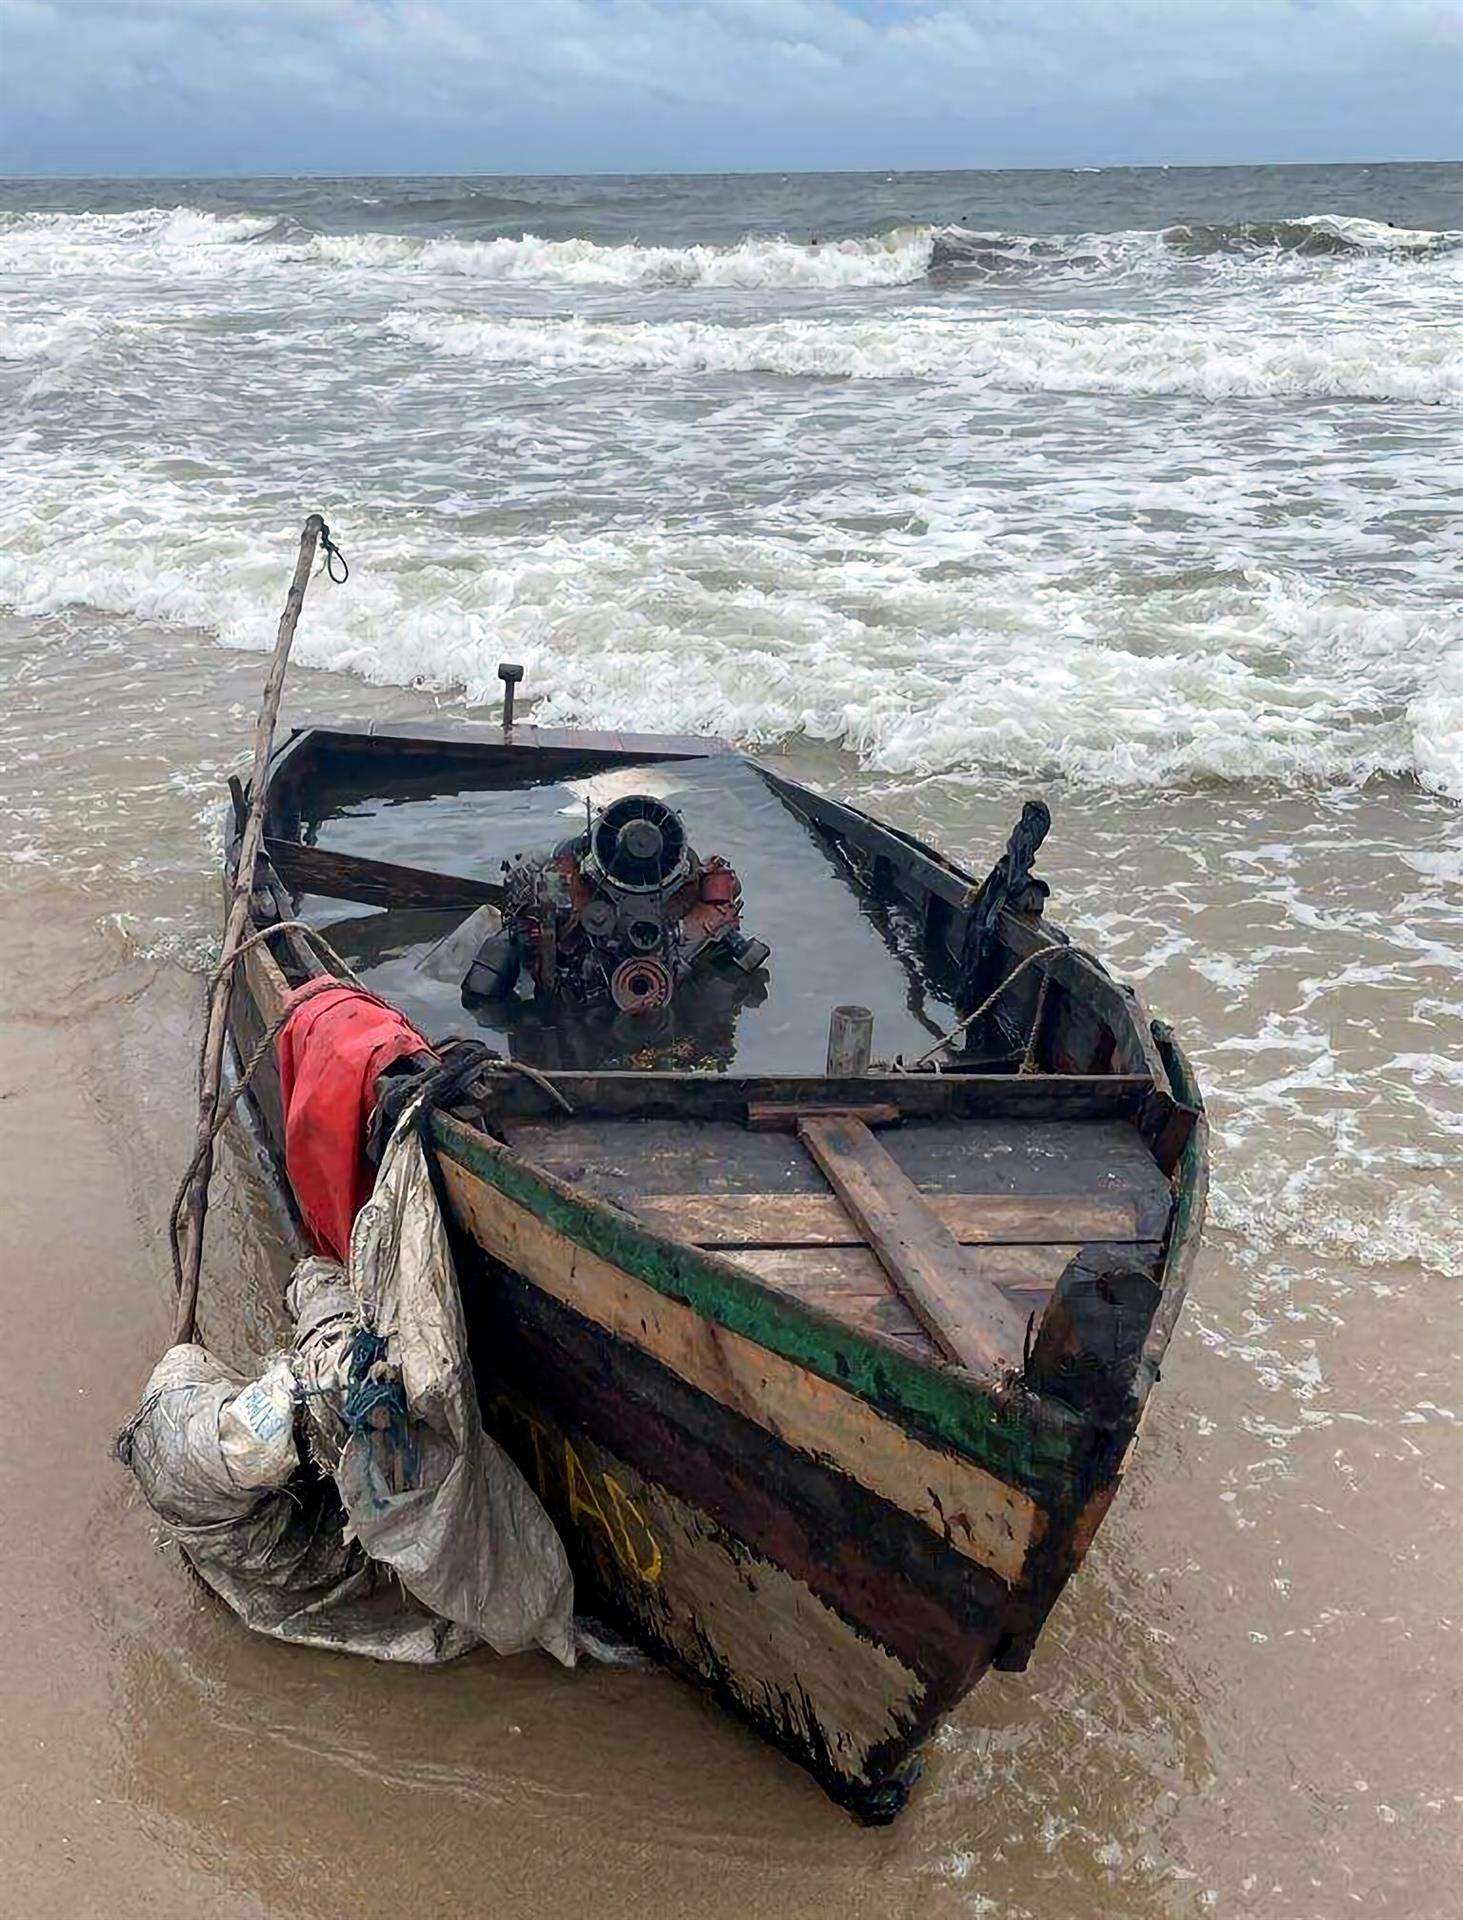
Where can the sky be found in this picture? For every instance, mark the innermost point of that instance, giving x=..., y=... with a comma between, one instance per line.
x=563, y=86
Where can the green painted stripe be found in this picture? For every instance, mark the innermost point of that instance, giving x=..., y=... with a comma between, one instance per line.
x=1033, y=1443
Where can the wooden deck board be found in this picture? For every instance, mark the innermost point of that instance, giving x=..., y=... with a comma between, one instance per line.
x=1020, y=1197
x=962, y=1311
x=850, y=1282
x=616, y=1159
x=619, y=1159
x=813, y=1219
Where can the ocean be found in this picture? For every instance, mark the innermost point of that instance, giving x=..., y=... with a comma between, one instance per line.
x=1138, y=489
x=1132, y=478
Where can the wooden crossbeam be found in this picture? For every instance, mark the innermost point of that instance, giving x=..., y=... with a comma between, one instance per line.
x=967, y=1317
x=818, y=1220
x=376, y=883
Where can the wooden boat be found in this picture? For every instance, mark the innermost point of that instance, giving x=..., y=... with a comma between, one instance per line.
x=828, y=1380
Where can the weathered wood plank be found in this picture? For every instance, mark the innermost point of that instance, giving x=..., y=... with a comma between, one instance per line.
x=266, y=982
x=783, y=1116
x=846, y=1281
x=813, y=1219
x=726, y=1096
x=900, y=851
x=258, y=998
x=966, y=1316
x=378, y=883
x=619, y=1159
x=851, y=1273
x=850, y=1282
x=1190, y=1200
x=616, y=1159
x=992, y=1523
x=486, y=740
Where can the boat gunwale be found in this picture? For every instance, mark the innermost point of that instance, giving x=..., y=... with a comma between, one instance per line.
x=1190, y=1186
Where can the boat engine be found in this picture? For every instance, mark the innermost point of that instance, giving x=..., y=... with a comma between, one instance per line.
x=625, y=911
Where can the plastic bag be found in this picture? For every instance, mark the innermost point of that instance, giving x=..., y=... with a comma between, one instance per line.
x=403, y=1531
x=277, y=1555
x=431, y=1494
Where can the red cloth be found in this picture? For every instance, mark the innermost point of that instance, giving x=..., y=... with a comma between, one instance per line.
x=330, y=1051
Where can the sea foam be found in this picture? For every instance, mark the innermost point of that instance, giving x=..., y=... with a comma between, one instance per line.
x=760, y=636
x=874, y=260
x=1030, y=352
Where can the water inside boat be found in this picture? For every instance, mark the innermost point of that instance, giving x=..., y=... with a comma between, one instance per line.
x=831, y=941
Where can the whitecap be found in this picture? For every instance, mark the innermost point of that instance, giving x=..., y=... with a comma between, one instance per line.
x=1029, y=352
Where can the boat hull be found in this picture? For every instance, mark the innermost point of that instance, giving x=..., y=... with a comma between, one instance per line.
x=835, y=1531
x=835, y=1542
x=828, y=1615
x=768, y=1515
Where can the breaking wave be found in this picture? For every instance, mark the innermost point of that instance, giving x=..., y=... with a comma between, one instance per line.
x=761, y=637
x=57, y=241
x=240, y=242
x=900, y=256
x=46, y=351
x=1147, y=253
x=880, y=260
x=1323, y=233
x=1025, y=353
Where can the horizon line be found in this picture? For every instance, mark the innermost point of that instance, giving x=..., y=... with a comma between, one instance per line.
x=750, y=173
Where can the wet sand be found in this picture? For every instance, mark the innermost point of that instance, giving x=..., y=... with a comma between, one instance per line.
x=1248, y=1703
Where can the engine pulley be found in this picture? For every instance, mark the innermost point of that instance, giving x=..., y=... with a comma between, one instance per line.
x=641, y=984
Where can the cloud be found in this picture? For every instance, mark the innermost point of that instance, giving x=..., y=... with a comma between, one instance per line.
x=283, y=85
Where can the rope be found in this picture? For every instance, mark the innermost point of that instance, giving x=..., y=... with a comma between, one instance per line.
x=448, y=1084
x=257, y=1056
x=462, y=1061
x=1028, y=1059
x=374, y=1403
x=540, y=1080
x=1028, y=1062
x=313, y=934
x=332, y=555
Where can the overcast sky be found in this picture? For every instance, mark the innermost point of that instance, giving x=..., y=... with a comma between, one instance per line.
x=383, y=86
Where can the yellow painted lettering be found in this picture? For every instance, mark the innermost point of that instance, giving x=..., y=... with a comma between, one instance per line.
x=649, y=1568
x=583, y=1498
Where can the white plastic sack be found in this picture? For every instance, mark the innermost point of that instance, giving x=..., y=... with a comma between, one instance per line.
x=404, y=1532
x=449, y=959
x=274, y=1551
x=256, y=1430
x=456, y=1519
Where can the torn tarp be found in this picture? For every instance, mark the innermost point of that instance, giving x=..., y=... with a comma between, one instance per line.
x=400, y=1528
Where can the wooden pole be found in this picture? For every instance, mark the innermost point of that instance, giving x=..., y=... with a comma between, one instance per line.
x=850, y=1041
x=210, y=1063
